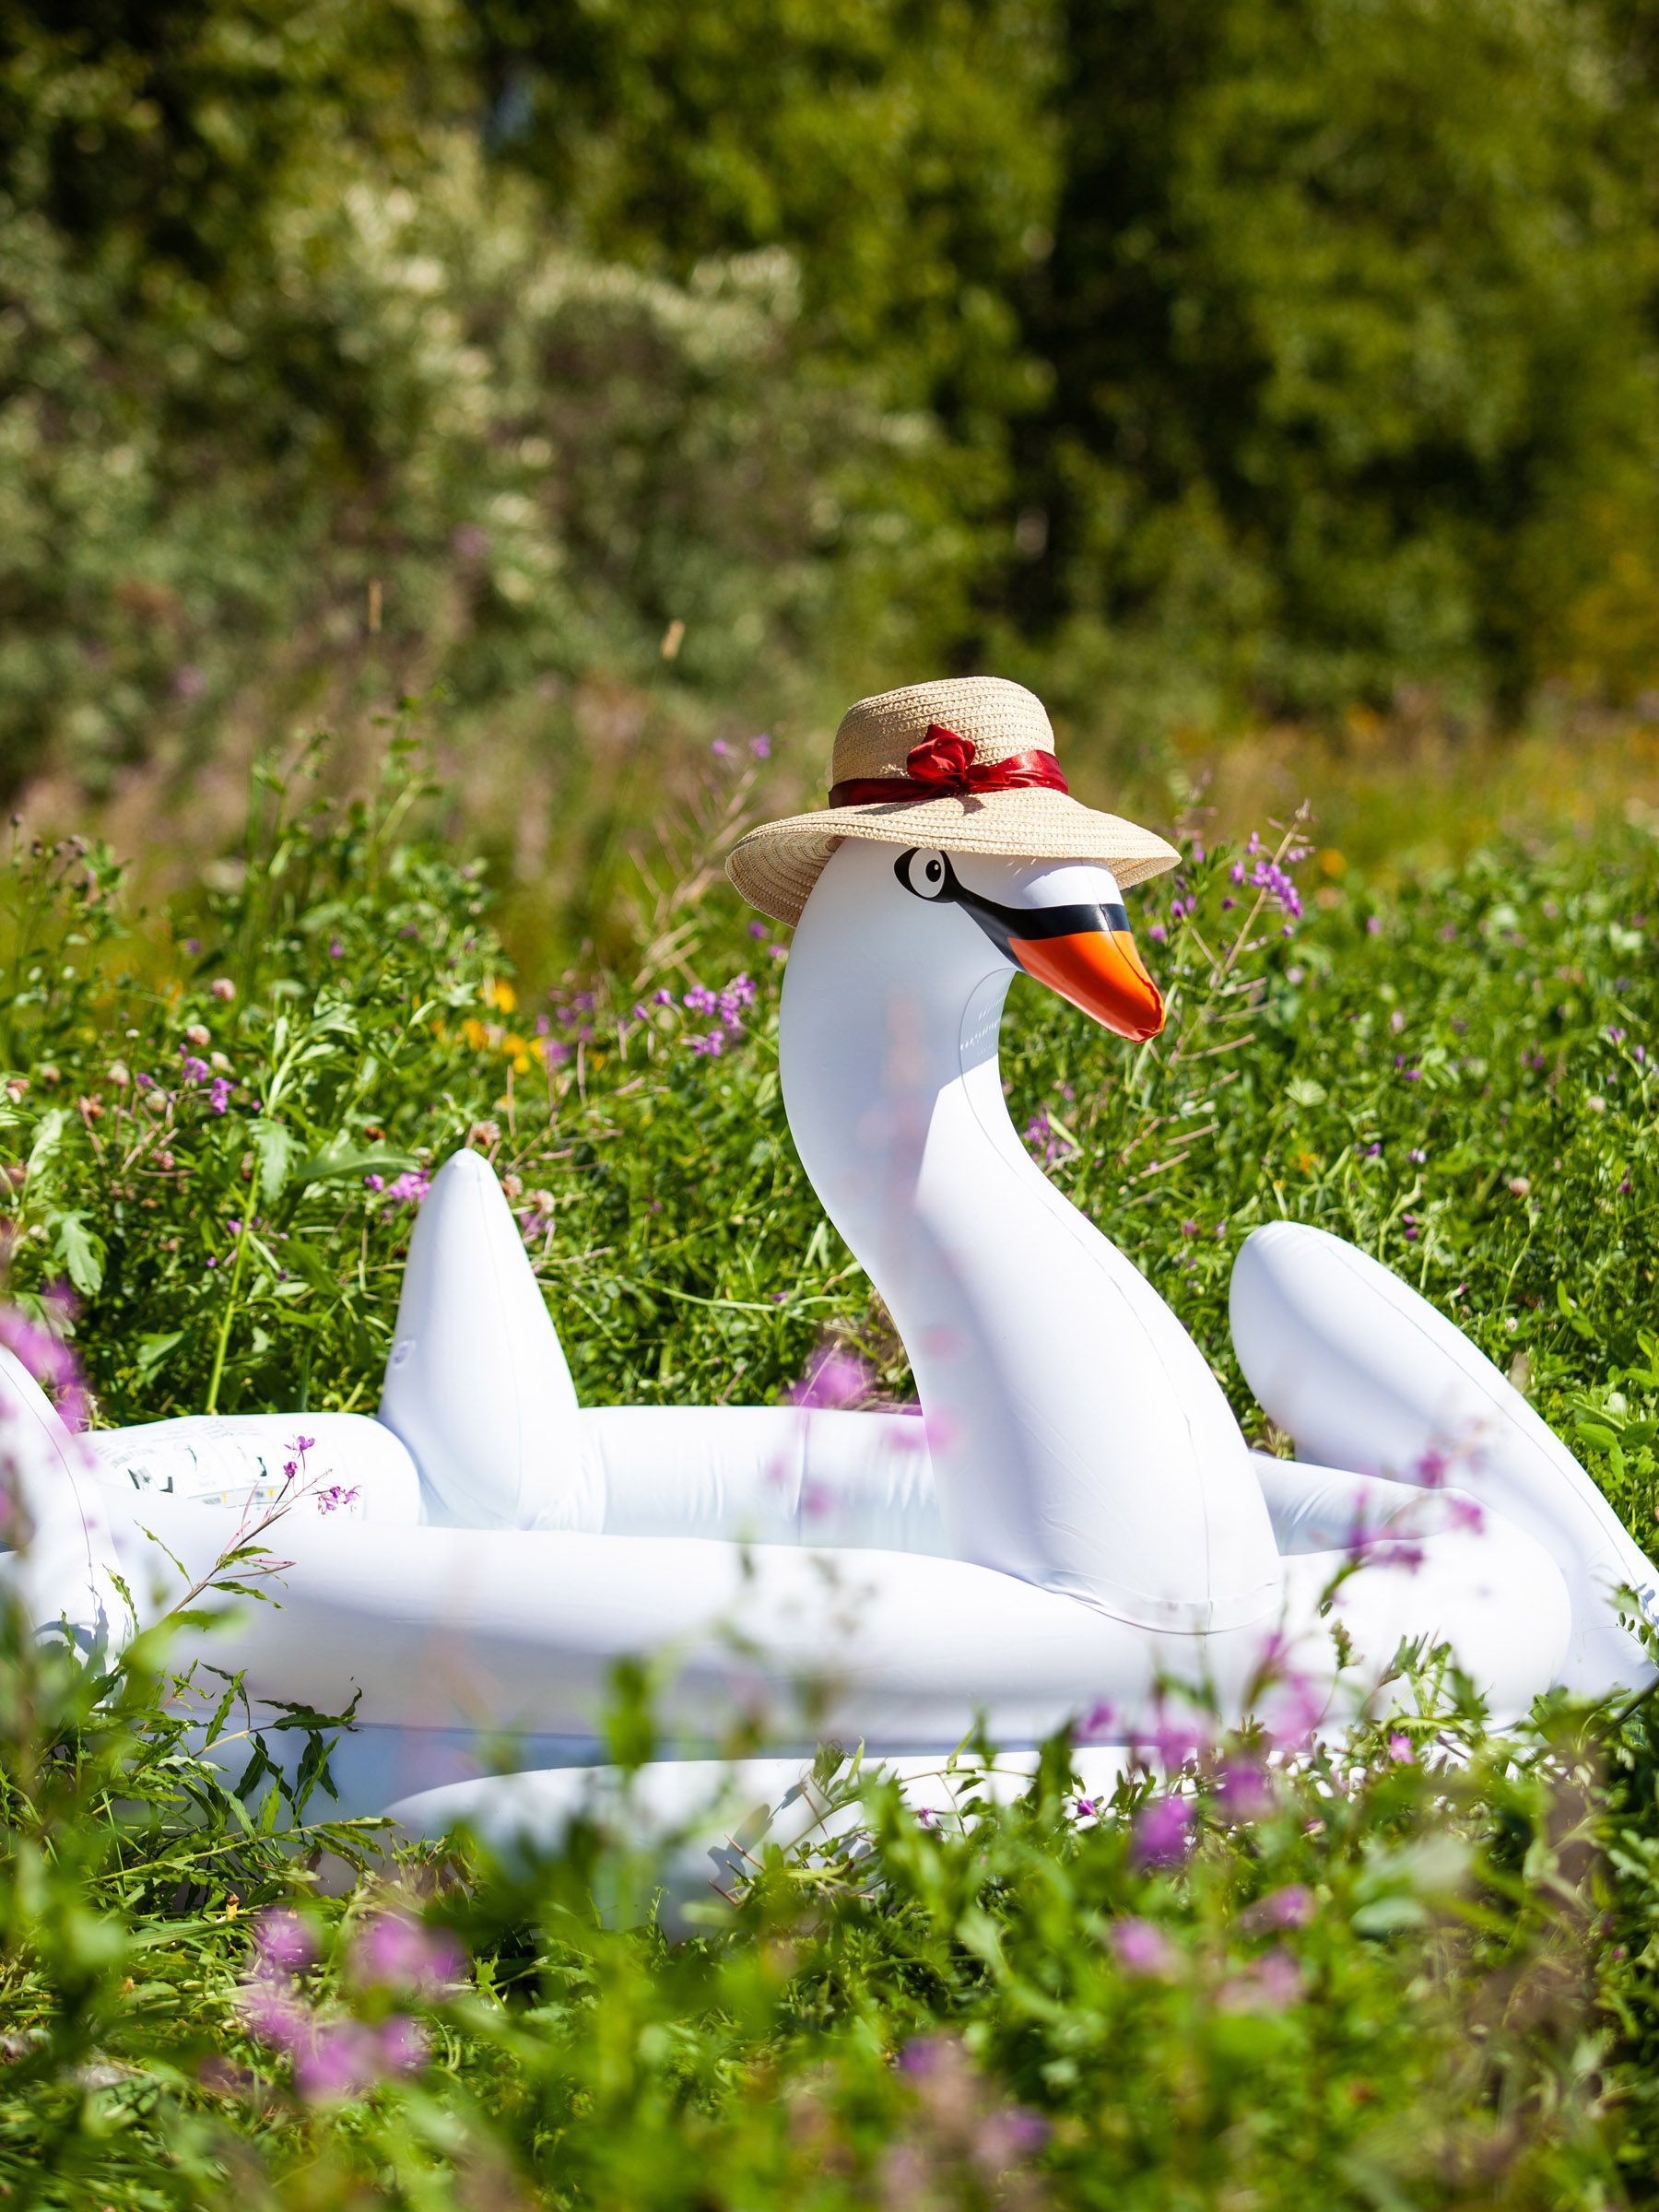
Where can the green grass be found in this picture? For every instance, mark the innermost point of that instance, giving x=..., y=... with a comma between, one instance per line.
x=1419, y=1973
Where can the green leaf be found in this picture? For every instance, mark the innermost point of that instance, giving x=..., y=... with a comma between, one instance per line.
x=153, y=1349
x=274, y=1149
x=82, y=1252
x=335, y=1167
x=48, y=1134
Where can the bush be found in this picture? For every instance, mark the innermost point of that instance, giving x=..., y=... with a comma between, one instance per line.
x=1195, y=360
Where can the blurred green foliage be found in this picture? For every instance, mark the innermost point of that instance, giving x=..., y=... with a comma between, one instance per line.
x=1190, y=359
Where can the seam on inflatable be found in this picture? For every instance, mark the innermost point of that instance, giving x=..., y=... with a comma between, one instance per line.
x=485, y=1192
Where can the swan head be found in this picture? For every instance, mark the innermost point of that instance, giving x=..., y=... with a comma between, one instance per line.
x=1062, y=922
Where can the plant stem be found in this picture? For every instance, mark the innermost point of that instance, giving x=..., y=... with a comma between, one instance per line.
x=236, y=1274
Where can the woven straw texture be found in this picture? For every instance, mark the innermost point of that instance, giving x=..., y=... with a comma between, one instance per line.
x=776, y=865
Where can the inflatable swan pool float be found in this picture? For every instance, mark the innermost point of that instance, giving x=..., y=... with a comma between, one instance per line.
x=1077, y=1524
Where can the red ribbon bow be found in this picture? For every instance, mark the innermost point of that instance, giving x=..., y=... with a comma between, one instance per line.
x=943, y=766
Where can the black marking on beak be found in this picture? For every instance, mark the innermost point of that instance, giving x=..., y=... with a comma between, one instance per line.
x=1002, y=924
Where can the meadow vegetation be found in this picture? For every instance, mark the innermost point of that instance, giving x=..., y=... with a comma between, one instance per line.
x=1418, y=1969
x=1272, y=384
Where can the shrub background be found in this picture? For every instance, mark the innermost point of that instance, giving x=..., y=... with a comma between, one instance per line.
x=1199, y=363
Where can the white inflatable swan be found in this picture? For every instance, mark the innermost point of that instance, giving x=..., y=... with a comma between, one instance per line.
x=1077, y=1524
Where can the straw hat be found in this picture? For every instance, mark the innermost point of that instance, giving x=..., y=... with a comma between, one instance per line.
x=967, y=766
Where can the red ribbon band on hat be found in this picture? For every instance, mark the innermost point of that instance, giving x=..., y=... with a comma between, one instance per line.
x=943, y=766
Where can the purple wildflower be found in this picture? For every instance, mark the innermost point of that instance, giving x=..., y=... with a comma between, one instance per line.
x=761, y=747
x=1293, y=1710
x=1292, y=1907
x=838, y=1378
x=284, y=1942
x=393, y=1951
x=1270, y=1984
x=50, y=1360
x=1163, y=1831
x=343, y=2061
x=218, y=1094
x=403, y=2044
x=1173, y=1742
x=333, y=1499
x=1007, y=2137
x=1139, y=1947
x=1045, y=1139
x=1244, y=1790
x=275, y=2017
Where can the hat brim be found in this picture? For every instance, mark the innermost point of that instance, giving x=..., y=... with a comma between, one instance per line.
x=776, y=865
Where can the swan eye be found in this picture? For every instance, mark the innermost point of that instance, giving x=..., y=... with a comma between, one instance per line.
x=928, y=873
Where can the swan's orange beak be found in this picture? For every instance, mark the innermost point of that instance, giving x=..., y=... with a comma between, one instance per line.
x=1101, y=973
